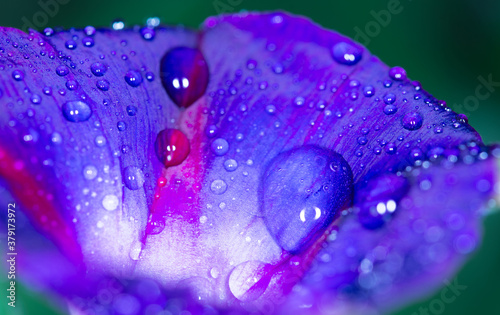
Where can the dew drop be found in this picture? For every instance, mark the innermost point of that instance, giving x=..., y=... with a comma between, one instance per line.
x=390, y=109
x=135, y=250
x=18, y=75
x=89, y=172
x=230, y=165
x=248, y=280
x=121, y=126
x=62, y=71
x=70, y=44
x=131, y=110
x=102, y=85
x=184, y=75
x=397, y=73
x=100, y=141
x=171, y=147
x=110, y=202
x=346, y=54
x=133, y=78
x=148, y=33
x=98, y=69
x=133, y=177
x=220, y=146
x=378, y=200
x=218, y=186
x=88, y=42
x=412, y=121
x=76, y=111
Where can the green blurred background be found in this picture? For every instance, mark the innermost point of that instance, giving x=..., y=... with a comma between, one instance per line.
x=444, y=44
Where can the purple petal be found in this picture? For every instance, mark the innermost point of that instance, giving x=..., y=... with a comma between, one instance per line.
x=158, y=169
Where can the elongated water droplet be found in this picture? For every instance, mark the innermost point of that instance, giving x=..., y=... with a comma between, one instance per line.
x=184, y=75
x=133, y=177
x=171, y=147
x=76, y=111
x=302, y=191
x=248, y=280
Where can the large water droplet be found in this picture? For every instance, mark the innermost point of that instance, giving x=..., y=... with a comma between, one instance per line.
x=171, y=147
x=346, y=54
x=248, y=280
x=76, y=111
x=133, y=177
x=412, y=121
x=378, y=199
x=184, y=74
x=302, y=191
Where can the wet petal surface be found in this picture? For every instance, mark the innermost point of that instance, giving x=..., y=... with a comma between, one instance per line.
x=227, y=161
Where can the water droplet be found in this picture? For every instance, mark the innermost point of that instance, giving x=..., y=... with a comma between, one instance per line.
x=48, y=31
x=133, y=78
x=368, y=91
x=35, y=99
x=131, y=110
x=148, y=33
x=220, y=146
x=18, y=75
x=133, y=177
x=56, y=138
x=390, y=109
x=100, y=141
x=397, y=73
x=412, y=121
x=110, y=202
x=88, y=42
x=150, y=76
x=62, y=71
x=98, y=69
x=218, y=187
x=303, y=190
x=248, y=280
x=346, y=54
x=299, y=101
x=89, y=30
x=214, y=273
x=118, y=25
x=230, y=165
x=171, y=147
x=71, y=85
x=377, y=201
x=135, y=250
x=389, y=98
x=102, y=85
x=121, y=126
x=184, y=75
x=90, y=172
x=70, y=44
x=76, y=111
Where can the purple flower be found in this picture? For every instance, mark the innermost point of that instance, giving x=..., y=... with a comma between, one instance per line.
x=262, y=164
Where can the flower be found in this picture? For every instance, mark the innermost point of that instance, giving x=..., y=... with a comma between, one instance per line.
x=262, y=164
